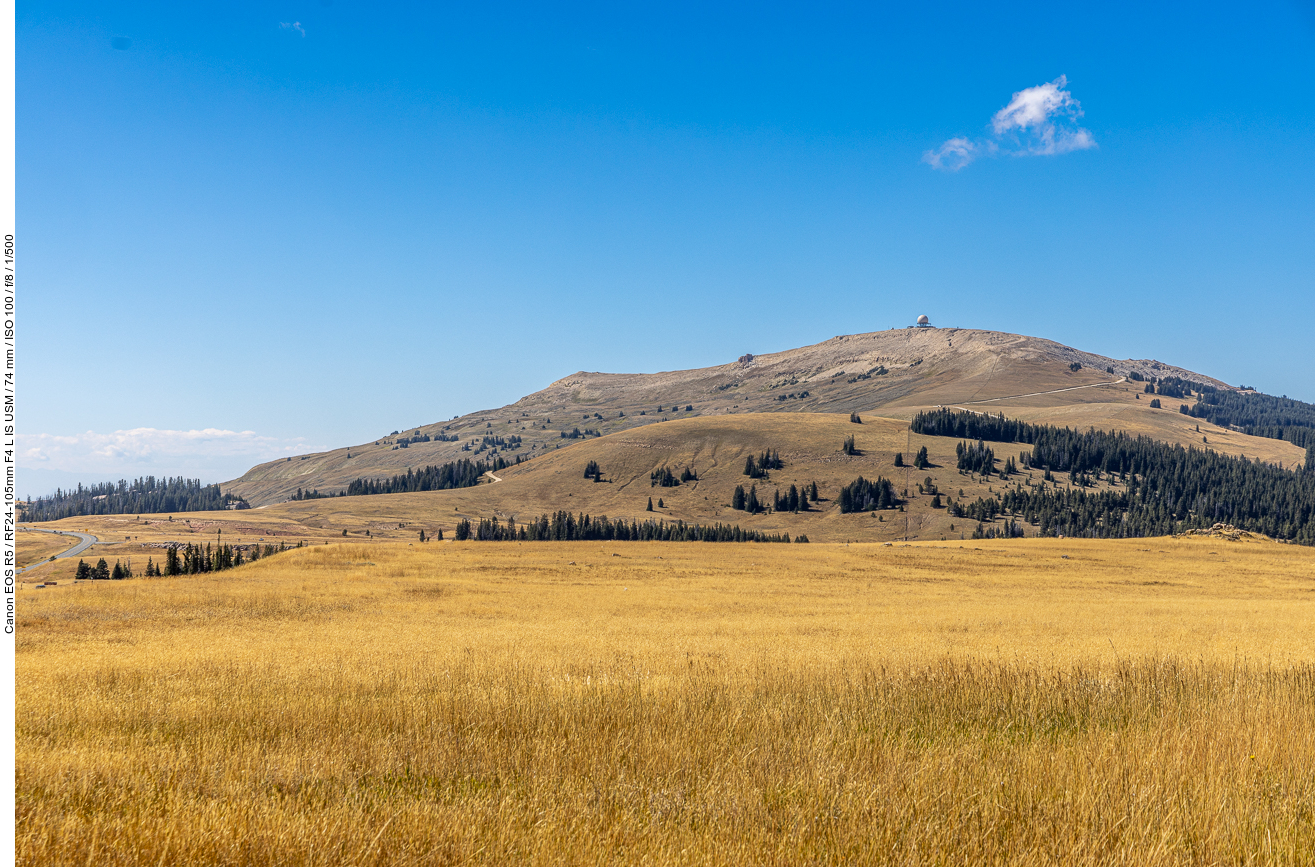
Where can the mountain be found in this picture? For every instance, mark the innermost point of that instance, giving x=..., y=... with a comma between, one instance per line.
x=888, y=373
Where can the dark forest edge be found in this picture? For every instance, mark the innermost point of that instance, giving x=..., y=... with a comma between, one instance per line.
x=147, y=495
x=464, y=473
x=566, y=527
x=457, y=474
x=180, y=559
x=1165, y=489
x=1247, y=411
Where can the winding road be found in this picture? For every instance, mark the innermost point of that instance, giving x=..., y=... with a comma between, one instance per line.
x=86, y=540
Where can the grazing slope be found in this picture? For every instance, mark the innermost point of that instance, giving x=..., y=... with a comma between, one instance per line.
x=893, y=372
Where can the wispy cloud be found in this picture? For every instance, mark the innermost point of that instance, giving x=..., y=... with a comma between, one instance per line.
x=1038, y=121
x=211, y=453
x=951, y=156
x=295, y=25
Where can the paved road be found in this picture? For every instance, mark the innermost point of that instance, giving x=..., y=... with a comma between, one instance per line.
x=86, y=540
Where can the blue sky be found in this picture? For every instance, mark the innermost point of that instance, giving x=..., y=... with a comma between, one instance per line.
x=302, y=225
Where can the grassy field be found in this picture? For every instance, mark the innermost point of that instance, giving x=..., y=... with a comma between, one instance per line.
x=1058, y=701
x=34, y=547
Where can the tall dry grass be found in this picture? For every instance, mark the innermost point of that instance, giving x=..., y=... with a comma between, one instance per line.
x=724, y=704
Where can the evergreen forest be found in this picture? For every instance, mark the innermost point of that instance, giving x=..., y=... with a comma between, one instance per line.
x=1156, y=489
x=566, y=527
x=1262, y=415
x=862, y=495
x=457, y=474
x=147, y=495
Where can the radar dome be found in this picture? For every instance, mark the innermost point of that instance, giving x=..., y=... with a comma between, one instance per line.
x=923, y=320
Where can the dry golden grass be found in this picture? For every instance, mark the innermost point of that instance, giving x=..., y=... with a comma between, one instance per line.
x=33, y=547
x=1030, y=702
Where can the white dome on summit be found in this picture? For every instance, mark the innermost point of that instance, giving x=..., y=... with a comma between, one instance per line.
x=923, y=320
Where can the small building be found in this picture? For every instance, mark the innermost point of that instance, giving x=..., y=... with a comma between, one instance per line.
x=923, y=321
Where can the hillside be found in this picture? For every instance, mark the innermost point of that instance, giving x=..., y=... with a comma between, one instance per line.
x=716, y=448
x=713, y=448
x=891, y=373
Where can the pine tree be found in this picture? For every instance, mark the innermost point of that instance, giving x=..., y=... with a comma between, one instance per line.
x=899, y=459
x=737, y=499
x=84, y=571
x=661, y=505
x=649, y=507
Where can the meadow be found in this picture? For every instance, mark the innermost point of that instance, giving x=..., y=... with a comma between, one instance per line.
x=33, y=547
x=1024, y=702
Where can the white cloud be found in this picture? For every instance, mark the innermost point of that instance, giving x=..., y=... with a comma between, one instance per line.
x=1038, y=121
x=295, y=25
x=212, y=454
x=951, y=156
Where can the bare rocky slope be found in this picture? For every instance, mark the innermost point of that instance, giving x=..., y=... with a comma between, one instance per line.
x=890, y=373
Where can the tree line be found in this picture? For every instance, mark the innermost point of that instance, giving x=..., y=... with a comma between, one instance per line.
x=315, y=495
x=567, y=527
x=1161, y=488
x=463, y=473
x=102, y=572
x=147, y=495
x=1262, y=415
x=186, y=559
x=794, y=500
